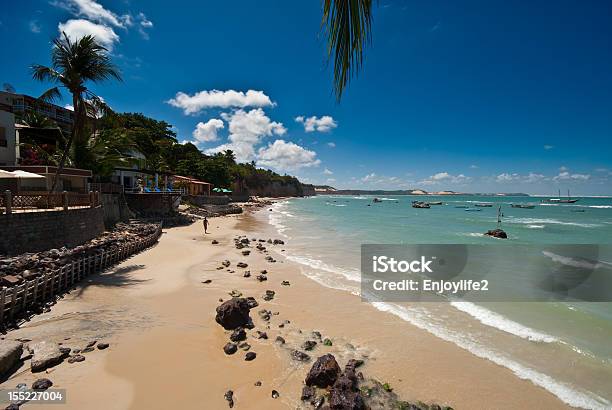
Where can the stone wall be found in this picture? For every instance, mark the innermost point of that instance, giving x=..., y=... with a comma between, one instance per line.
x=150, y=205
x=38, y=231
x=115, y=209
x=200, y=200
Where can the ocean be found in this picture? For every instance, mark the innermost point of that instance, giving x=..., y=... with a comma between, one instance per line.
x=562, y=346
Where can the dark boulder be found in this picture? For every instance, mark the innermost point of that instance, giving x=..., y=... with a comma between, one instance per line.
x=230, y=348
x=238, y=335
x=345, y=395
x=233, y=313
x=308, y=393
x=497, y=233
x=229, y=396
x=42, y=384
x=324, y=372
x=309, y=345
x=300, y=356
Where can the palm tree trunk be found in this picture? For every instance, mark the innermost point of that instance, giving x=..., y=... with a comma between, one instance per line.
x=75, y=129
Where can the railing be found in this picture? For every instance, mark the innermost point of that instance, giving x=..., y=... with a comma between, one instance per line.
x=47, y=201
x=106, y=187
x=181, y=191
x=22, y=298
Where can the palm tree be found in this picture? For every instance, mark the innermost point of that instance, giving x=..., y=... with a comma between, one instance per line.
x=74, y=63
x=347, y=25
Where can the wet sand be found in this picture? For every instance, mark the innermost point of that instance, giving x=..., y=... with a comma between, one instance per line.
x=166, y=348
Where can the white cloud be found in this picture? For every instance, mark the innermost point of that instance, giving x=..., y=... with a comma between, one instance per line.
x=323, y=124
x=76, y=29
x=369, y=177
x=445, y=177
x=287, y=156
x=548, y=147
x=566, y=176
x=92, y=10
x=143, y=24
x=505, y=177
x=533, y=178
x=69, y=107
x=327, y=172
x=208, y=131
x=473, y=166
x=34, y=26
x=247, y=129
x=331, y=180
x=530, y=178
x=192, y=104
x=331, y=144
x=563, y=168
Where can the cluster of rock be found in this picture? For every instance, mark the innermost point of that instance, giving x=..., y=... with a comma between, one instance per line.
x=349, y=390
x=42, y=355
x=212, y=210
x=244, y=242
x=27, y=266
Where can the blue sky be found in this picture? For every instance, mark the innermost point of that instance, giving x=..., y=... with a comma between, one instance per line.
x=475, y=96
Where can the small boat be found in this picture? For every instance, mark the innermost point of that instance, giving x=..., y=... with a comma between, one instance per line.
x=435, y=203
x=578, y=210
x=377, y=200
x=483, y=205
x=473, y=210
x=522, y=206
x=418, y=204
x=462, y=206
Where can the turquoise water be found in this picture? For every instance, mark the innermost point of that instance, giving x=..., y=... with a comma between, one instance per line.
x=564, y=347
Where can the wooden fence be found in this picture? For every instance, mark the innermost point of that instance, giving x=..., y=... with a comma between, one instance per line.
x=45, y=201
x=16, y=300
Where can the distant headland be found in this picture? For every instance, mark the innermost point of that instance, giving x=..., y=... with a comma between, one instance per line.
x=327, y=190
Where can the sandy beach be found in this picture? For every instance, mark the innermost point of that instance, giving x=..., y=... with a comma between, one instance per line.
x=166, y=350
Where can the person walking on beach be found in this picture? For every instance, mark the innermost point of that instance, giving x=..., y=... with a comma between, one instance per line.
x=205, y=223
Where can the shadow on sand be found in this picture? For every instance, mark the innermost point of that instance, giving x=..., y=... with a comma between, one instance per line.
x=117, y=277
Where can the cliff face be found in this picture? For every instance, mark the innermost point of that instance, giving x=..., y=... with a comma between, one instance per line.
x=279, y=189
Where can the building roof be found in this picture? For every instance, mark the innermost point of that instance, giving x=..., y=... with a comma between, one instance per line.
x=47, y=169
x=191, y=180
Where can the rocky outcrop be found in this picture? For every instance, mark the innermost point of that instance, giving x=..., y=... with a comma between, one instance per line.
x=497, y=233
x=44, y=355
x=10, y=353
x=233, y=313
x=324, y=372
x=349, y=390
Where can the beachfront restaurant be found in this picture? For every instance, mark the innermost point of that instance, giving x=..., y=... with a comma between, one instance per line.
x=192, y=186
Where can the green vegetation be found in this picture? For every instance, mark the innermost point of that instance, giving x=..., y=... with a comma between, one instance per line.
x=348, y=26
x=74, y=63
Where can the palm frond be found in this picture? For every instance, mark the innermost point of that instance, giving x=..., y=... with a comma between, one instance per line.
x=348, y=27
x=43, y=73
x=51, y=95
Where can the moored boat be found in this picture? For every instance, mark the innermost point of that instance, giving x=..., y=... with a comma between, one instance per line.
x=419, y=204
x=522, y=206
x=483, y=205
